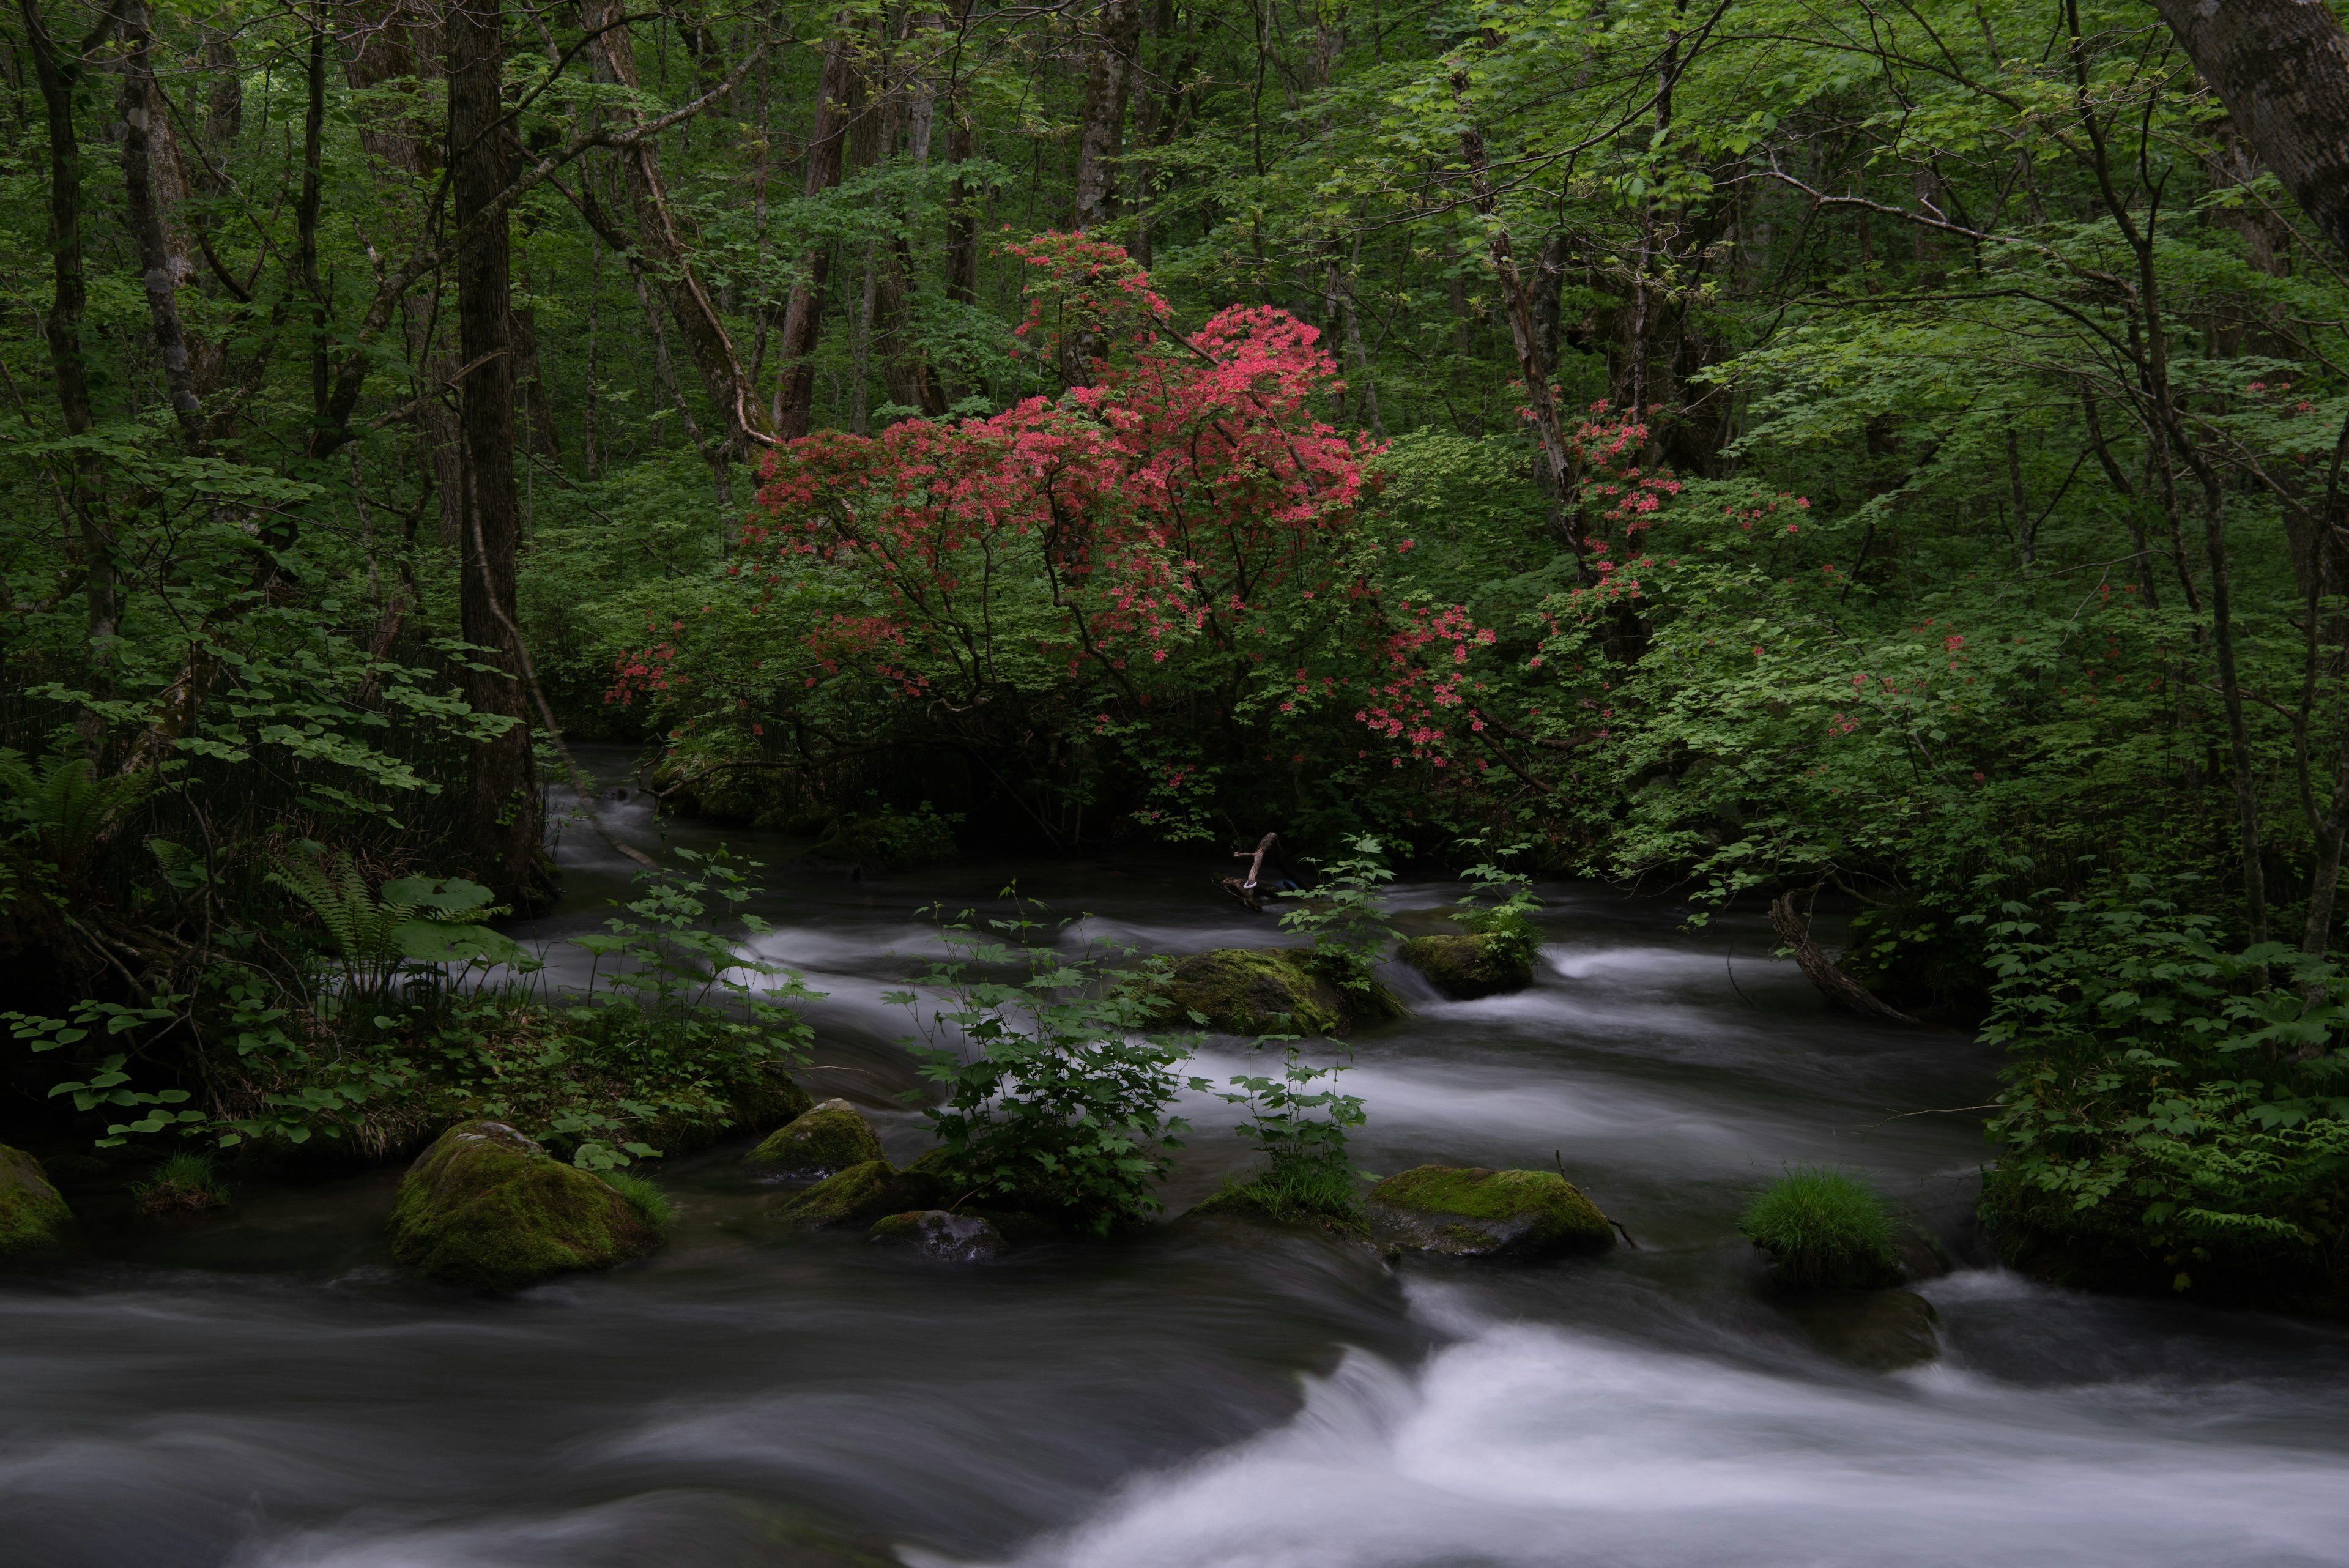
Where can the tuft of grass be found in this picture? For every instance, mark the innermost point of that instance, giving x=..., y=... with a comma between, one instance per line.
x=183, y=1184
x=646, y=1199
x=1825, y=1228
x=1321, y=1197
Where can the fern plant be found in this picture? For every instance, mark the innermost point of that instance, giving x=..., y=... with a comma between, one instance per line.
x=414, y=920
x=66, y=807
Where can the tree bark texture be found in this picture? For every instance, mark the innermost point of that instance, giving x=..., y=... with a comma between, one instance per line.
x=59, y=71
x=502, y=826
x=1109, y=83
x=2281, y=68
x=159, y=270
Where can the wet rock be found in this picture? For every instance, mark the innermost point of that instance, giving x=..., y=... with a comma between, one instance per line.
x=1882, y=1330
x=828, y=1136
x=1464, y=966
x=488, y=1207
x=1472, y=1213
x=1269, y=991
x=942, y=1237
x=1922, y=1256
x=767, y=1099
x=857, y=1196
x=32, y=1215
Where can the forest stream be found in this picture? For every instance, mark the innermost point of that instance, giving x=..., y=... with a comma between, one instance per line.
x=261, y=1389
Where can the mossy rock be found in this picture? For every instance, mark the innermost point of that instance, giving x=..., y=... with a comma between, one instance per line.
x=941, y=1236
x=32, y=1215
x=1471, y=1213
x=1271, y=991
x=856, y=1197
x=1466, y=966
x=488, y=1207
x=829, y=1136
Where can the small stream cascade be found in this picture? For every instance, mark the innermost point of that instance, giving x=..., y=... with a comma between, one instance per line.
x=263, y=1389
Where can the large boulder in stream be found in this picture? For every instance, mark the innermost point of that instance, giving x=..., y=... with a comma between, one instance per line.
x=829, y=1136
x=856, y=1197
x=1271, y=991
x=1471, y=1213
x=488, y=1207
x=1882, y=1330
x=32, y=1215
x=1466, y=966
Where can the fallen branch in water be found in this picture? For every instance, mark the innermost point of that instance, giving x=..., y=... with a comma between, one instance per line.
x=1834, y=984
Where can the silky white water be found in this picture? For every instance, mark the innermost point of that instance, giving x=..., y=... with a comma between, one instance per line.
x=262, y=1390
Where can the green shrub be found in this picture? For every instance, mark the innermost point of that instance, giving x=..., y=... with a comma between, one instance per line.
x=2173, y=1115
x=648, y=1200
x=1824, y=1229
x=183, y=1184
x=1055, y=1100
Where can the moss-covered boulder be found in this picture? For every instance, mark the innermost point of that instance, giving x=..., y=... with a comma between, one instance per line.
x=856, y=1197
x=1472, y=1213
x=830, y=1136
x=32, y=1215
x=1464, y=966
x=1271, y=991
x=941, y=1236
x=488, y=1207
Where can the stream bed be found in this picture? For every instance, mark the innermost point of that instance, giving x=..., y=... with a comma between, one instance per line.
x=262, y=1390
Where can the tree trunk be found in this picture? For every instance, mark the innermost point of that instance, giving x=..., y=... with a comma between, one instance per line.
x=668, y=263
x=1549, y=429
x=840, y=91
x=502, y=827
x=59, y=73
x=2281, y=68
x=160, y=271
x=390, y=50
x=1109, y=82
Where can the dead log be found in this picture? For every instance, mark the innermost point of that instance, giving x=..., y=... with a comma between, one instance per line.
x=1794, y=931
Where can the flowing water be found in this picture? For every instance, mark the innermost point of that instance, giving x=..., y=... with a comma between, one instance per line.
x=263, y=1389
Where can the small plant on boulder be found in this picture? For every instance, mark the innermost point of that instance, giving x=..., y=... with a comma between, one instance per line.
x=183, y=1184
x=1825, y=1228
x=1298, y=1121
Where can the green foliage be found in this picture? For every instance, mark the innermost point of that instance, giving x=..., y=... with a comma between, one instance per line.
x=1506, y=920
x=1341, y=913
x=2174, y=1112
x=1298, y=1121
x=1055, y=1097
x=1824, y=1229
